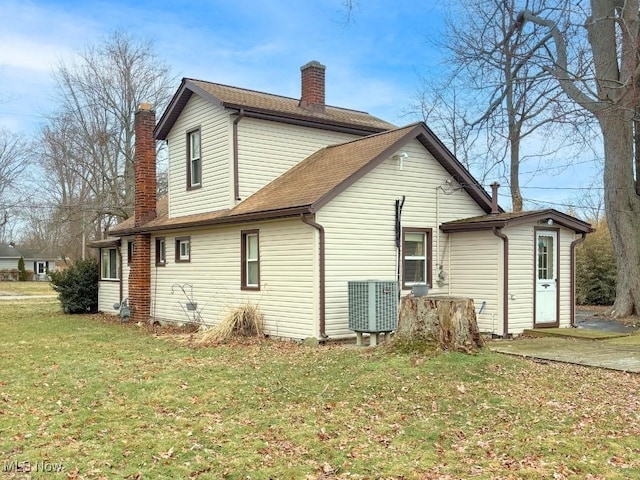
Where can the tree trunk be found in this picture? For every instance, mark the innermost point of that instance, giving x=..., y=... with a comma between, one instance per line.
x=623, y=208
x=448, y=322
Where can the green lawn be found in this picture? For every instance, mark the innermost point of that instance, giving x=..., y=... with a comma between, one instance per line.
x=107, y=400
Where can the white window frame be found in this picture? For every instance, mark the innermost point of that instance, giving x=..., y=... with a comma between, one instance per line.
x=107, y=271
x=247, y=261
x=183, y=249
x=195, y=158
x=426, y=238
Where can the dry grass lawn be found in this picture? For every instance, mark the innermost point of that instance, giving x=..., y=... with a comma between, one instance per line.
x=104, y=400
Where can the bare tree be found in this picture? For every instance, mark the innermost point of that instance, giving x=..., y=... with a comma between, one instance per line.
x=99, y=94
x=14, y=157
x=608, y=91
x=509, y=97
x=87, y=146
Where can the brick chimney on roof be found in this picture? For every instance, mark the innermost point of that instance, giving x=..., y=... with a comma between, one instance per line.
x=312, y=97
x=495, y=209
x=144, y=211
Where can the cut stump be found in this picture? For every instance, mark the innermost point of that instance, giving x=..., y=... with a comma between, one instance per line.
x=448, y=322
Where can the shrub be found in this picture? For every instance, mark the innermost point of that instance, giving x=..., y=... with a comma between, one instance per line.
x=77, y=287
x=596, y=268
x=22, y=272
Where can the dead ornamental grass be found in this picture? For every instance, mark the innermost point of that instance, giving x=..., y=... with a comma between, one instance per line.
x=241, y=322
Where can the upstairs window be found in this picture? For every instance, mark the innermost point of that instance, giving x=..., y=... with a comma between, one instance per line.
x=250, y=253
x=194, y=160
x=416, y=254
x=109, y=264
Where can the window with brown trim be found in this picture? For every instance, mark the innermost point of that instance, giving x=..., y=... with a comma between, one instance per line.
x=130, y=247
x=250, y=254
x=183, y=249
x=194, y=160
x=161, y=259
x=416, y=257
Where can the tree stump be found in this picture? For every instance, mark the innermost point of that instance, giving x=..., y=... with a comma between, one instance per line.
x=448, y=322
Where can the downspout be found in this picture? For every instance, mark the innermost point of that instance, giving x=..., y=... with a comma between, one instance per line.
x=119, y=244
x=505, y=280
x=574, y=244
x=320, y=228
x=236, y=169
x=399, y=206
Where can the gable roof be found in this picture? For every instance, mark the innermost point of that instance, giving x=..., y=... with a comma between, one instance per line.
x=312, y=183
x=7, y=251
x=502, y=220
x=267, y=106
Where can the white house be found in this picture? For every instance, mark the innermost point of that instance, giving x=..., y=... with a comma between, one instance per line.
x=34, y=261
x=281, y=202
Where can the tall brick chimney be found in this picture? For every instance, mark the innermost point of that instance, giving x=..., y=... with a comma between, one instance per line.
x=312, y=97
x=145, y=210
x=145, y=165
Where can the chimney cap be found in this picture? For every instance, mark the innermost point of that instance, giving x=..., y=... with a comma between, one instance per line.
x=144, y=106
x=313, y=63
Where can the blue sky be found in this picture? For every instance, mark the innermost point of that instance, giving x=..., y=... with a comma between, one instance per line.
x=373, y=64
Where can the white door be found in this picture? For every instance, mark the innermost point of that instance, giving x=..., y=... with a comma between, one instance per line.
x=546, y=310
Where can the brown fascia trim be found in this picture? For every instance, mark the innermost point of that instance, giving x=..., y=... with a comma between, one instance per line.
x=572, y=272
x=438, y=149
x=177, y=103
x=236, y=163
x=505, y=280
x=366, y=168
x=224, y=220
x=303, y=121
x=104, y=243
x=472, y=227
x=322, y=300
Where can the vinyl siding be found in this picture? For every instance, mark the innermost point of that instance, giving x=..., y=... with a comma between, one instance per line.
x=476, y=272
x=215, y=128
x=360, y=226
x=566, y=238
x=9, y=263
x=521, y=277
x=288, y=277
x=268, y=149
x=108, y=295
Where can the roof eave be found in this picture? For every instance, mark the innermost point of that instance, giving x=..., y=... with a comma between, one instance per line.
x=306, y=121
x=227, y=219
x=453, y=166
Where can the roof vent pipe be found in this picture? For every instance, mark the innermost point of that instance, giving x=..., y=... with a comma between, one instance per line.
x=494, y=198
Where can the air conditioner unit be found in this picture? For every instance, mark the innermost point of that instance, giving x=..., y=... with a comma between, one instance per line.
x=373, y=306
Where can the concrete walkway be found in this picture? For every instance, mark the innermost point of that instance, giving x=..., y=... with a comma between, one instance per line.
x=614, y=354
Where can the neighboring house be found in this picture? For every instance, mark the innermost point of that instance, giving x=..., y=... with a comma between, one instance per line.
x=37, y=262
x=281, y=202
